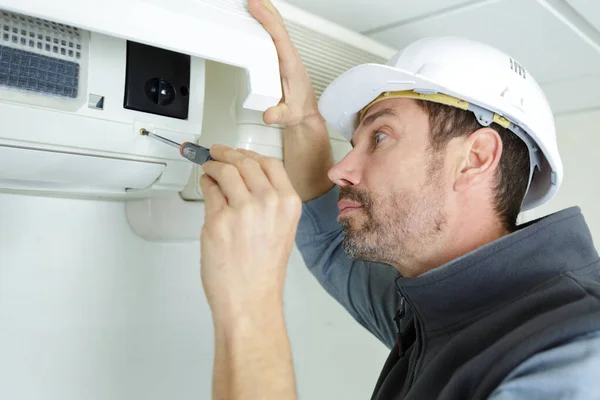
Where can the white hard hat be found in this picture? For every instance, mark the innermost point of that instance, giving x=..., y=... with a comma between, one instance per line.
x=465, y=74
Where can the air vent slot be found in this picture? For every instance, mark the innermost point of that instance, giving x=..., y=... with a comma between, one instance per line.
x=518, y=68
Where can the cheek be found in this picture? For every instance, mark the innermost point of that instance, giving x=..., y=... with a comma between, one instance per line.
x=395, y=171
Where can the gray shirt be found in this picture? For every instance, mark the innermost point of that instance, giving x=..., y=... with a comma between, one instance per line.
x=367, y=291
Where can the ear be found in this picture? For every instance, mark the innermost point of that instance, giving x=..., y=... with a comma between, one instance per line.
x=481, y=152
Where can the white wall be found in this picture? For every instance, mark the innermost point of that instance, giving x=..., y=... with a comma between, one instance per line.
x=90, y=311
x=579, y=146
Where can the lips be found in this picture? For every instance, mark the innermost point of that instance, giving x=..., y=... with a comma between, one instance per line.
x=347, y=205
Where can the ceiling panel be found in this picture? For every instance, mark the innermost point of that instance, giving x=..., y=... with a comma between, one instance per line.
x=364, y=15
x=522, y=28
x=575, y=95
x=589, y=9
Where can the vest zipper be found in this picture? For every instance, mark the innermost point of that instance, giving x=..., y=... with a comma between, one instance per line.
x=421, y=343
x=398, y=318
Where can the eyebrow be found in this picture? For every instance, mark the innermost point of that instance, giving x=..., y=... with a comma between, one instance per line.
x=370, y=120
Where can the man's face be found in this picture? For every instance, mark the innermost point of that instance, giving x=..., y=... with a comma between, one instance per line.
x=392, y=197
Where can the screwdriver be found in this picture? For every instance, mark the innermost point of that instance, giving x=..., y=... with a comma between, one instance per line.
x=193, y=152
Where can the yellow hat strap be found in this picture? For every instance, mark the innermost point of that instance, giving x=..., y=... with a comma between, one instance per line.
x=436, y=98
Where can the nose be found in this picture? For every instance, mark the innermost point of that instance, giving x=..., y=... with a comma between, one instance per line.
x=348, y=171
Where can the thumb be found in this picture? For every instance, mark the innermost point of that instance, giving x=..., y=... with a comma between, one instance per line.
x=279, y=114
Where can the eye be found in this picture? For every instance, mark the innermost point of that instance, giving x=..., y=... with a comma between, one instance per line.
x=379, y=137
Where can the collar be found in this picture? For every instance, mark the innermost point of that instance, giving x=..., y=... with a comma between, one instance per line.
x=482, y=279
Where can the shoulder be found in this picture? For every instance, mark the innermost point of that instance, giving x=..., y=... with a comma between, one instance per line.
x=569, y=371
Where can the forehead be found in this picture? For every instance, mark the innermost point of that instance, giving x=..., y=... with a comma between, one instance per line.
x=399, y=105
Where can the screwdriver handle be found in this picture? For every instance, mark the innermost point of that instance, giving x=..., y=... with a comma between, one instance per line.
x=195, y=153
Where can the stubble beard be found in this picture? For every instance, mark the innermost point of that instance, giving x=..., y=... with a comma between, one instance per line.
x=393, y=230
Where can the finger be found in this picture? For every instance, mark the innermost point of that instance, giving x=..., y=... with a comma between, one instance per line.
x=214, y=200
x=266, y=13
x=274, y=170
x=249, y=168
x=279, y=114
x=249, y=153
x=229, y=180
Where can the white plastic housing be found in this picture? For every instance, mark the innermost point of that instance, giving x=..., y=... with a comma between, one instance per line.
x=64, y=130
x=111, y=134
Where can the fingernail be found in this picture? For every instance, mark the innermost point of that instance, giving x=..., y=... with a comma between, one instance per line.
x=277, y=117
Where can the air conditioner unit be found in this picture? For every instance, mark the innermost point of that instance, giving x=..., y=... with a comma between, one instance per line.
x=79, y=79
x=326, y=49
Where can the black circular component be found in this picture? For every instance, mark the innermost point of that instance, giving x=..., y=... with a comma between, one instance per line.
x=160, y=91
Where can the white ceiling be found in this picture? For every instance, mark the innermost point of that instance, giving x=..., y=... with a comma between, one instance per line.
x=590, y=9
x=558, y=41
x=364, y=15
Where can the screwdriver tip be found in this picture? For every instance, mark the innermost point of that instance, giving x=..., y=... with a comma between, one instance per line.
x=143, y=132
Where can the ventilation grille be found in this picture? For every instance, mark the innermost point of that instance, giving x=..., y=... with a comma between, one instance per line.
x=39, y=55
x=326, y=58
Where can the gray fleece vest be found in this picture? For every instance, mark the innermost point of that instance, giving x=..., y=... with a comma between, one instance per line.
x=465, y=326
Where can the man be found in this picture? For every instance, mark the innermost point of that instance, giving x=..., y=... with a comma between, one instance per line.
x=450, y=141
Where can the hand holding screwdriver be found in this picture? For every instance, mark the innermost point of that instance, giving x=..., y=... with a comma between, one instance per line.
x=193, y=152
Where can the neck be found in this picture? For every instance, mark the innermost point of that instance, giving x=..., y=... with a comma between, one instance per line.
x=466, y=232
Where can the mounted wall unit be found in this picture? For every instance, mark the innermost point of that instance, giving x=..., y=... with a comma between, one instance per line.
x=78, y=81
x=326, y=49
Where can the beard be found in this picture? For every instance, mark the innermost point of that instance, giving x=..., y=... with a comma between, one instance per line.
x=393, y=229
